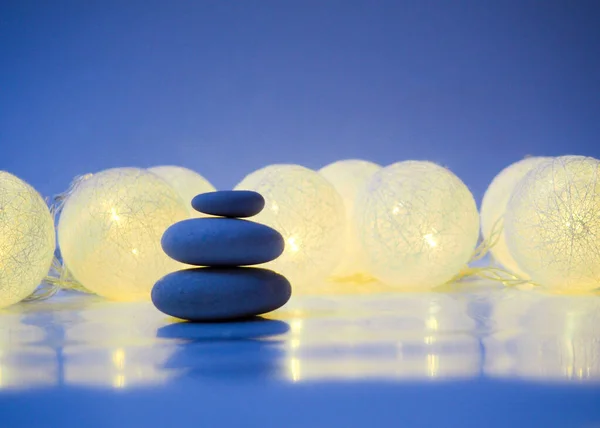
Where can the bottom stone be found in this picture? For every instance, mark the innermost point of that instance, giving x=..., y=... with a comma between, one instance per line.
x=212, y=294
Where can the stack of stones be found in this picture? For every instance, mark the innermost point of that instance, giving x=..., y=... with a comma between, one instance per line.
x=223, y=289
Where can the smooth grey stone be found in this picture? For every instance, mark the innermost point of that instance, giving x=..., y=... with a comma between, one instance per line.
x=229, y=203
x=222, y=242
x=214, y=294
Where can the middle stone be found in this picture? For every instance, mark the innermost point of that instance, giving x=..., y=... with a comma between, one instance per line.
x=222, y=242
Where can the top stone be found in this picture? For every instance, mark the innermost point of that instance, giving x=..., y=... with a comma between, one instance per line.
x=229, y=203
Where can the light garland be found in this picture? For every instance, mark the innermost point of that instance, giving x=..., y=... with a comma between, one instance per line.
x=412, y=225
x=552, y=224
x=307, y=210
x=419, y=225
x=27, y=239
x=349, y=177
x=493, y=208
x=110, y=229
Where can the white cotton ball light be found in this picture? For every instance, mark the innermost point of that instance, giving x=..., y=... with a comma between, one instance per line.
x=110, y=230
x=349, y=177
x=552, y=224
x=307, y=210
x=419, y=225
x=493, y=208
x=27, y=239
x=186, y=182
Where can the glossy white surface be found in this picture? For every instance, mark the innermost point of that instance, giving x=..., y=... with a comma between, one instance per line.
x=444, y=359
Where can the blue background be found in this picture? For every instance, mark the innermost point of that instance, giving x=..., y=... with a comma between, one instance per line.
x=226, y=87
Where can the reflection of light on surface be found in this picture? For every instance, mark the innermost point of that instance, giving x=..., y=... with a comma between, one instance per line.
x=82, y=340
x=545, y=337
x=118, y=358
x=295, y=369
x=294, y=344
x=119, y=381
x=433, y=364
x=26, y=361
x=432, y=323
x=126, y=367
x=296, y=326
x=400, y=336
x=135, y=251
x=21, y=368
x=113, y=345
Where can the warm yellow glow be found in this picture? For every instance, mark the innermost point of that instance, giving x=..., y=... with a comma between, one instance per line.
x=296, y=326
x=187, y=184
x=493, y=208
x=118, y=358
x=293, y=245
x=432, y=323
x=114, y=216
x=119, y=381
x=430, y=240
x=308, y=212
x=433, y=364
x=295, y=369
x=363, y=338
x=552, y=337
x=27, y=239
x=349, y=177
x=110, y=230
x=430, y=233
x=552, y=229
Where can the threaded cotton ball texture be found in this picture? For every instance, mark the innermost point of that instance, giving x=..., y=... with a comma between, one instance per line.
x=27, y=239
x=307, y=210
x=419, y=225
x=186, y=182
x=553, y=224
x=110, y=230
x=494, y=205
x=349, y=177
